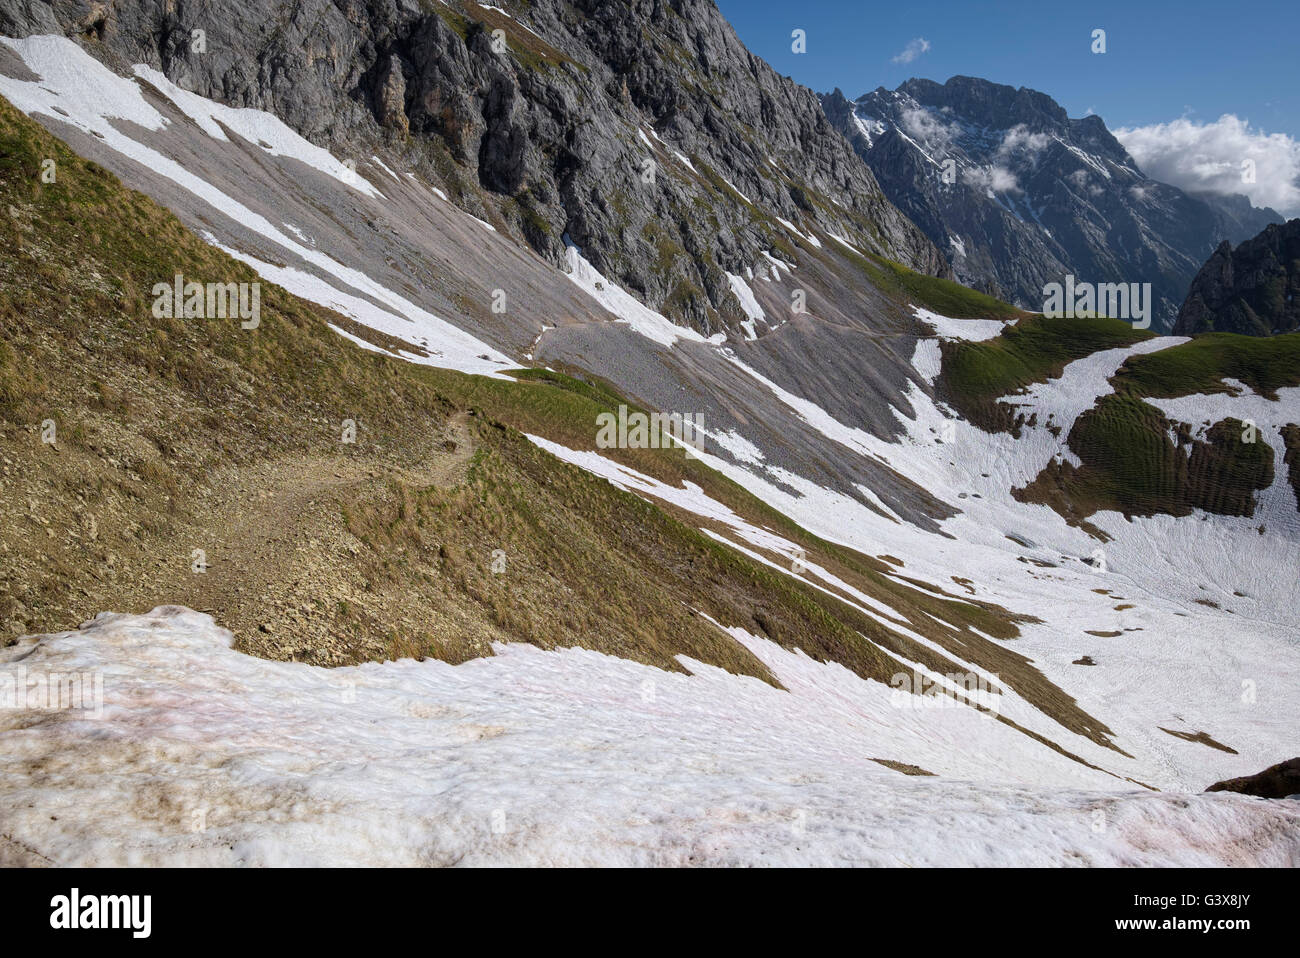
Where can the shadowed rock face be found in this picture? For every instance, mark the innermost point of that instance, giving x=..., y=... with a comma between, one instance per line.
x=553, y=123
x=1253, y=289
x=1277, y=781
x=1031, y=194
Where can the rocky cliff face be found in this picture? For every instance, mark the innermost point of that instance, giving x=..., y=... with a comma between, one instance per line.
x=1253, y=289
x=1019, y=195
x=641, y=131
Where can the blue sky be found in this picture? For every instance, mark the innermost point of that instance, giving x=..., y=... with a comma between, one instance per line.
x=1164, y=60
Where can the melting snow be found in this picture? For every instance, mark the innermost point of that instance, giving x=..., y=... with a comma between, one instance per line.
x=972, y=330
x=92, y=96
x=740, y=448
x=383, y=166
x=89, y=95
x=806, y=237
x=624, y=305
x=448, y=346
x=205, y=756
x=747, y=302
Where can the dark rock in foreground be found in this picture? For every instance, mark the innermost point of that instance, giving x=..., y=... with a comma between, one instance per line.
x=1279, y=781
x=1249, y=290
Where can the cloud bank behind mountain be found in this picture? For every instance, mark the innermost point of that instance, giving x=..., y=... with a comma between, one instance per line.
x=1221, y=157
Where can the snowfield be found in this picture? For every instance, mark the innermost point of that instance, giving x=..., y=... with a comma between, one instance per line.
x=1176, y=664
x=1163, y=662
x=204, y=756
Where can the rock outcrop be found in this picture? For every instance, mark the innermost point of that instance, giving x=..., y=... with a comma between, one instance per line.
x=1277, y=781
x=641, y=131
x=1253, y=289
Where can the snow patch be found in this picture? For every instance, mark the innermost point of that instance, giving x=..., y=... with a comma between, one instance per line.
x=564, y=757
x=623, y=305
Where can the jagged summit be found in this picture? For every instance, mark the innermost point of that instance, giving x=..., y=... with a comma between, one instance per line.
x=1019, y=195
x=1253, y=289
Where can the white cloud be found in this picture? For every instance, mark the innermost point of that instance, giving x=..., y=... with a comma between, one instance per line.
x=924, y=127
x=992, y=179
x=1019, y=138
x=913, y=50
x=1083, y=181
x=1213, y=157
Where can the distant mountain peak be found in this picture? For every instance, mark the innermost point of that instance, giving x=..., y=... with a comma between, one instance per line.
x=987, y=103
x=1021, y=195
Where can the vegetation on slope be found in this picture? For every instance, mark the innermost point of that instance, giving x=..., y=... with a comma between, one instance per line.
x=1136, y=461
x=907, y=286
x=1265, y=364
x=1130, y=464
x=1035, y=349
x=1291, y=439
x=942, y=296
x=199, y=463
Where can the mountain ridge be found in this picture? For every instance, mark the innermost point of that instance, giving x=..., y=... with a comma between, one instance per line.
x=733, y=151
x=916, y=512
x=1021, y=195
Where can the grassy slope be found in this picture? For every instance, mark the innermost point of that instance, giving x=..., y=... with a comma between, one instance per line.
x=1291, y=439
x=1132, y=465
x=1130, y=462
x=938, y=295
x=1266, y=364
x=942, y=296
x=1034, y=350
x=156, y=417
x=175, y=435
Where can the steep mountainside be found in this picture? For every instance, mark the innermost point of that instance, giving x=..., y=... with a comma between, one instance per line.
x=1019, y=195
x=133, y=440
x=652, y=592
x=922, y=531
x=1253, y=289
x=642, y=131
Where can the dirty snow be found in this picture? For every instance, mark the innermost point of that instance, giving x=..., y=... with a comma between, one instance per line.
x=204, y=756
